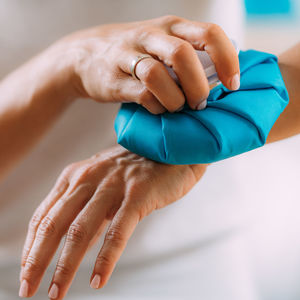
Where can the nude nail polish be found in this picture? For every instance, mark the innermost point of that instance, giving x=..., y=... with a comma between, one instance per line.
x=24, y=288
x=235, y=82
x=54, y=290
x=95, y=283
x=201, y=105
x=180, y=109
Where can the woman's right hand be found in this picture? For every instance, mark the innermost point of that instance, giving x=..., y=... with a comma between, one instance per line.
x=101, y=58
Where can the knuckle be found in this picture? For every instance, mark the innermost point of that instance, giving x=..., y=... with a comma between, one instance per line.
x=133, y=172
x=170, y=19
x=34, y=222
x=213, y=30
x=63, y=269
x=144, y=33
x=68, y=170
x=24, y=258
x=145, y=97
x=84, y=188
x=115, y=237
x=105, y=260
x=80, y=173
x=85, y=172
x=25, y=253
x=32, y=265
x=76, y=234
x=180, y=50
x=116, y=90
x=151, y=71
x=122, y=162
x=47, y=227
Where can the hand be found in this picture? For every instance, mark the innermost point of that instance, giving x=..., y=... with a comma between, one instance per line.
x=102, y=57
x=114, y=186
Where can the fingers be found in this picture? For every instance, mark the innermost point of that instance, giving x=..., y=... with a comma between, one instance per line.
x=182, y=57
x=212, y=39
x=49, y=233
x=175, y=47
x=78, y=239
x=114, y=244
x=134, y=90
x=155, y=77
x=58, y=190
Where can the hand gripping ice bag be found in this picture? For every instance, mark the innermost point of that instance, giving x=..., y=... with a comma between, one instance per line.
x=233, y=122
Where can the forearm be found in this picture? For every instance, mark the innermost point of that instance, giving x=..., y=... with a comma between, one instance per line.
x=31, y=98
x=288, y=124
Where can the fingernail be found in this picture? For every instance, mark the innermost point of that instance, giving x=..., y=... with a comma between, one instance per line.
x=53, y=293
x=95, y=283
x=180, y=108
x=24, y=288
x=201, y=105
x=235, y=82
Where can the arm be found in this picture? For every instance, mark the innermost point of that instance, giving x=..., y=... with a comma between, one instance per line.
x=142, y=186
x=31, y=98
x=95, y=63
x=288, y=124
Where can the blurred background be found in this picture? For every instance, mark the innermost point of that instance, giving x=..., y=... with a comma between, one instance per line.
x=272, y=26
x=256, y=194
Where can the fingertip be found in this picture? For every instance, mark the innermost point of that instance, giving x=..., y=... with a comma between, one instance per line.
x=28, y=286
x=226, y=61
x=202, y=105
x=54, y=291
x=95, y=282
x=235, y=82
x=179, y=109
x=202, y=100
x=24, y=289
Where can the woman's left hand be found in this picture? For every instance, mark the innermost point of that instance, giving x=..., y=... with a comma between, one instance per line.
x=115, y=185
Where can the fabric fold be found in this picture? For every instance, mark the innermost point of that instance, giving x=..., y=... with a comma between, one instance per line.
x=233, y=122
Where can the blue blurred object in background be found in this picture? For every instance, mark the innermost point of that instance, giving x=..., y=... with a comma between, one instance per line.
x=268, y=7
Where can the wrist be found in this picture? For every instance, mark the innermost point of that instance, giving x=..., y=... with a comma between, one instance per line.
x=70, y=55
x=56, y=74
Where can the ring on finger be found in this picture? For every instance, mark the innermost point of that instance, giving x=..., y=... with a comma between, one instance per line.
x=134, y=63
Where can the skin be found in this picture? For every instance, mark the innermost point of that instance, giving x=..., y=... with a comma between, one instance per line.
x=115, y=185
x=95, y=63
x=288, y=123
x=119, y=188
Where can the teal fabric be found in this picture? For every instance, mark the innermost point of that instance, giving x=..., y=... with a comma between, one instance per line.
x=233, y=122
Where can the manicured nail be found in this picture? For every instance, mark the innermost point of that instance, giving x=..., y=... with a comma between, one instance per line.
x=201, y=105
x=180, y=108
x=53, y=293
x=95, y=283
x=24, y=288
x=235, y=82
